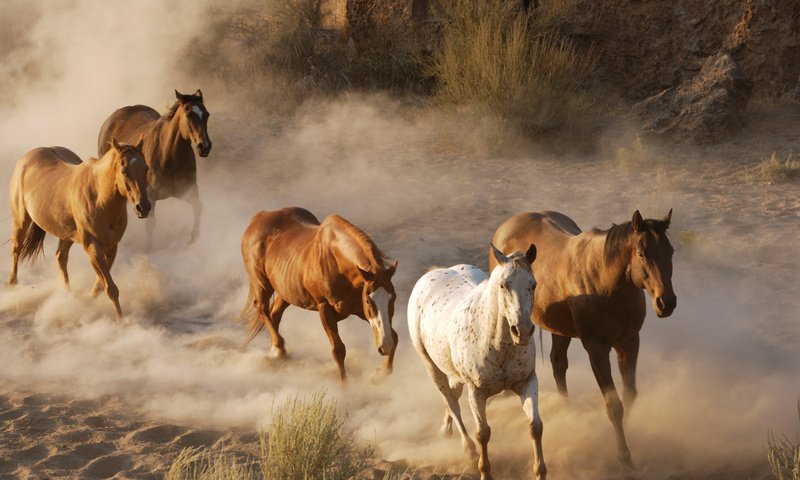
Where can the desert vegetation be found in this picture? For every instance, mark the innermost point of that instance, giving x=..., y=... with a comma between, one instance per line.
x=784, y=454
x=774, y=170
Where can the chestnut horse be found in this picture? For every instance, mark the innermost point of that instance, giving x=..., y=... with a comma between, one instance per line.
x=53, y=192
x=167, y=149
x=331, y=267
x=472, y=329
x=590, y=287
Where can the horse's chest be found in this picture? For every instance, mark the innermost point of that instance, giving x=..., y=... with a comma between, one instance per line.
x=496, y=371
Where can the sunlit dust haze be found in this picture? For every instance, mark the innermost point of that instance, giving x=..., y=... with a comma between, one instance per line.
x=713, y=377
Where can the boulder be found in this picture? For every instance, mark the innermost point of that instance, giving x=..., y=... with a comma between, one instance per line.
x=701, y=110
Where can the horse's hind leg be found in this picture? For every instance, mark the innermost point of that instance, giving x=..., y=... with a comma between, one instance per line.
x=452, y=409
x=529, y=395
x=20, y=226
x=276, y=310
x=558, y=358
x=62, y=256
x=627, y=354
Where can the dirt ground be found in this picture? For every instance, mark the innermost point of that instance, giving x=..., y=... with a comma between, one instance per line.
x=83, y=397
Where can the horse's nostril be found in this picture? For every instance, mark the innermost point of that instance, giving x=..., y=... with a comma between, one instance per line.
x=138, y=208
x=515, y=330
x=660, y=303
x=381, y=351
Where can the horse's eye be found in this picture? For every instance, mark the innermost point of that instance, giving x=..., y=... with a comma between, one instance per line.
x=640, y=253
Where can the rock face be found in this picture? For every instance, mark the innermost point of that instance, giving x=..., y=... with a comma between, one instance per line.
x=701, y=110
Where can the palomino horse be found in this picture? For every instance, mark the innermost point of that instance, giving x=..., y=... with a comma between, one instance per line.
x=591, y=288
x=167, y=149
x=332, y=267
x=53, y=192
x=475, y=331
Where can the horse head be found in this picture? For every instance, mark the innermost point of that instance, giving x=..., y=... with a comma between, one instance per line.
x=194, y=121
x=377, y=298
x=513, y=284
x=651, y=261
x=131, y=174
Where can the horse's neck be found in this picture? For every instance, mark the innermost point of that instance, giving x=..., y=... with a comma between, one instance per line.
x=611, y=276
x=101, y=177
x=172, y=145
x=489, y=324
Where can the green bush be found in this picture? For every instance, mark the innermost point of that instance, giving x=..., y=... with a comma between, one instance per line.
x=517, y=63
x=784, y=455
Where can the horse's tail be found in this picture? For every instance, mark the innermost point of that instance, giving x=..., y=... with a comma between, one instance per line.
x=33, y=243
x=250, y=317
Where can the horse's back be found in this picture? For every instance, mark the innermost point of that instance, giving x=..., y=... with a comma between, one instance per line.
x=435, y=297
x=549, y=231
x=271, y=233
x=124, y=125
x=41, y=182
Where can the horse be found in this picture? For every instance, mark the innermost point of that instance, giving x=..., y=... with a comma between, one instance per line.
x=52, y=191
x=332, y=267
x=167, y=149
x=592, y=288
x=472, y=329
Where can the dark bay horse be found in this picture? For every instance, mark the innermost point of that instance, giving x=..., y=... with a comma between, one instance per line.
x=53, y=192
x=331, y=267
x=167, y=148
x=591, y=287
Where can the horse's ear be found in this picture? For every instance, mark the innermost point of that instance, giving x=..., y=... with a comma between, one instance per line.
x=392, y=268
x=530, y=255
x=637, y=222
x=668, y=219
x=366, y=275
x=498, y=255
x=140, y=142
x=181, y=97
x=198, y=93
x=114, y=143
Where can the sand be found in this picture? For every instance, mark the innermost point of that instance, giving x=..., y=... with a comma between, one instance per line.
x=83, y=397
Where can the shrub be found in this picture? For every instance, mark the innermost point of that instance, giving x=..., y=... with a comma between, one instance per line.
x=308, y=441
x=516, y=63
x=203, y=464
x=772, y=170
x=784, y=455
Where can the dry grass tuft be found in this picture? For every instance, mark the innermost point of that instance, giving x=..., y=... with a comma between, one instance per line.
x=516, y=63
x=773, y=170
x=784, y=455
x=308, y=441
x=629, y=157
x=205, y=464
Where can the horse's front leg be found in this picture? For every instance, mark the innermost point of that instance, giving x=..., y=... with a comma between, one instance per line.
x=330, y=323
x=529, y=395
x=193, y=198
x=111, y=254
x=601, y=366
x=149, y=226
x=477, y=402
x=97, y=255
x=627, y=354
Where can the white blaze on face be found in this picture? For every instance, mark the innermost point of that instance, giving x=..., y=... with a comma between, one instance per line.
x=198, y=111
x=380, y=298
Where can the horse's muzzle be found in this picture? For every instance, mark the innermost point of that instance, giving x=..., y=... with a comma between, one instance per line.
x=142, y=209
x=204, y=149
x=519, y=338
x=665, y=305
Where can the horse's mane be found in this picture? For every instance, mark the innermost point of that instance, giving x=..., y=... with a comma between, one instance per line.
x=174, y=108
x=616, y=240
x=378, y=258
x=617, y=236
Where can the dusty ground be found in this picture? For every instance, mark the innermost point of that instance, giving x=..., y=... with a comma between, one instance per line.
x=83, y=397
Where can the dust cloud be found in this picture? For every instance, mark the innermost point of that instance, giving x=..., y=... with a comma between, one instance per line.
x=712, y=378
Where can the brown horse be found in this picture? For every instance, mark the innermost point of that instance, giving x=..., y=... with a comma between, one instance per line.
x=167, y=148
x=331, y=267
x=590, y=287
x=53, y=192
